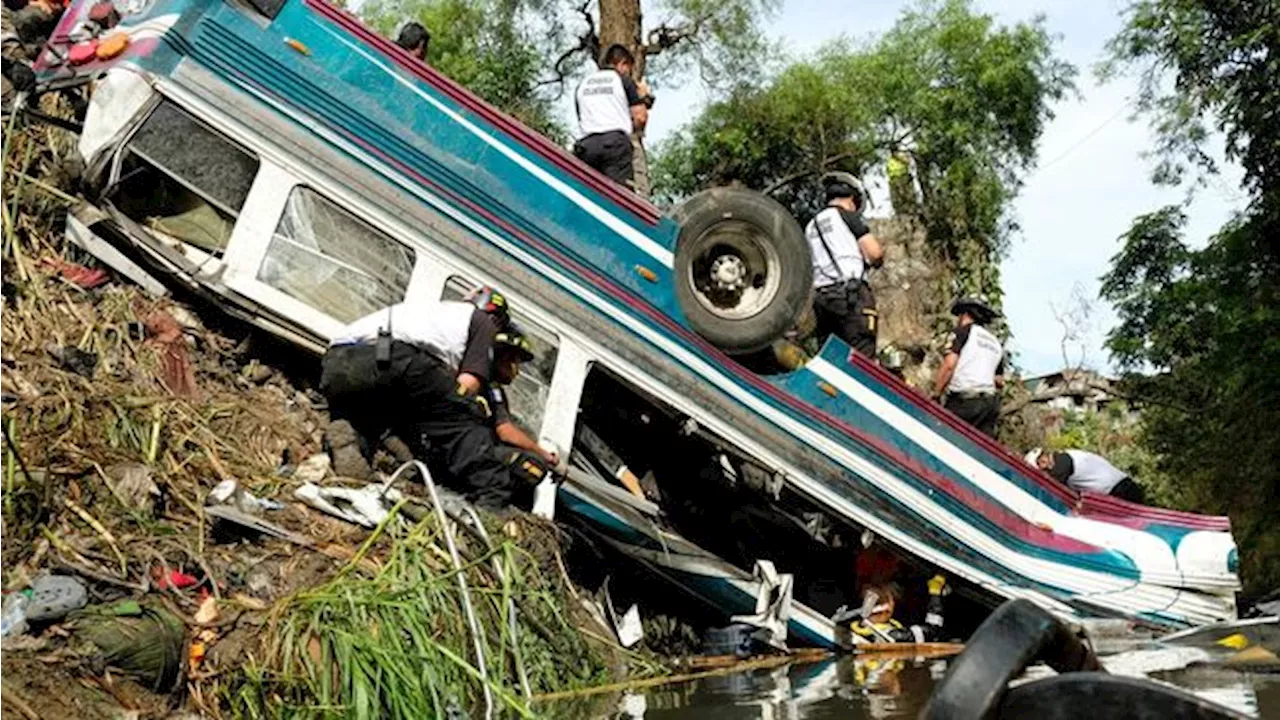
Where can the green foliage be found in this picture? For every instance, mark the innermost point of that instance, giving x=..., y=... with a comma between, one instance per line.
x=1200, y=334
x=957, y=99
x=392, y=640
x=1199, y=329
x=496, y=48
x=1223, y=59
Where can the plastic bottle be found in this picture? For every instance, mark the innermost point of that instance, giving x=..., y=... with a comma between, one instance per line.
x=13, y=617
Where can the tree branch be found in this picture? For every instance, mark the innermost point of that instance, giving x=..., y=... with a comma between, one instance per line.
x=588, y=42
x=793, y=177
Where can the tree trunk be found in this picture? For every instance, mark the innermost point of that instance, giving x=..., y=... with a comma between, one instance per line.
x=620, y=24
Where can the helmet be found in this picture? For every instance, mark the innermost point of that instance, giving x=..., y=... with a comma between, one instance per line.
x=1032, y=456
x=843, y=184
x=491, y=301
x=513, y=339
x=974, y=305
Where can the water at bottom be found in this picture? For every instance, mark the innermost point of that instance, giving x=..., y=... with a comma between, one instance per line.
x=854, y=689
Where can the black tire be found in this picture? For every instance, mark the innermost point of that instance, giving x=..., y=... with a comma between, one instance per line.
x=769, y=247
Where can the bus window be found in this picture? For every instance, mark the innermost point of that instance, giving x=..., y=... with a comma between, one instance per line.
x=333, y=261
x=527, y=396
x=180, y=178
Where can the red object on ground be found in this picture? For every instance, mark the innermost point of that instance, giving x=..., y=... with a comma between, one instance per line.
x=174, y=580
x=87, y=278
x=175, y=363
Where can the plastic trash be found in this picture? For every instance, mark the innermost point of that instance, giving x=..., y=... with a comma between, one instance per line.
x=365, y=506
x=228, y=492
x=53, y=596
x=13, y=618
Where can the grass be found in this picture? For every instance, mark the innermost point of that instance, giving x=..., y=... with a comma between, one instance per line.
x=395, y=643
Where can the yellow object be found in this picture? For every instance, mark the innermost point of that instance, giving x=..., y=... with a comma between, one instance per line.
x=646, y=273
x=297, y=46
x=112, y=46
x=936, y=584
x=829, y=389
x=1235, y=642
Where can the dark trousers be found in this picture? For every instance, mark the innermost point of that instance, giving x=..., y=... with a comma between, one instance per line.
x=980, y=411
x=1129, y=490
x=848, y=311
x=415, y=397
x=610, y=153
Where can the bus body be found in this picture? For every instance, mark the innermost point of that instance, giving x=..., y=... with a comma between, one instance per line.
x=285, y=161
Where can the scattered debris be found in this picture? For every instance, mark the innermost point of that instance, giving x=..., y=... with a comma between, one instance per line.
x=367, y=506
x=228, y=492
x=53, y=596
x=132, y=485
x=207, y=614
x=313, y=469
x=143, y=641
x=80, y=362
x=176, y=372
x=242, y=519
x=79, y=275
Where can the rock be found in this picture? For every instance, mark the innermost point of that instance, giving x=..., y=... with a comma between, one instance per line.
x=132, y=485
x=257, y=373
x=313, y=469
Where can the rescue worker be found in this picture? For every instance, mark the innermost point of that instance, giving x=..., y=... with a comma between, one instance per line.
x=1084, y=471
x=511, y=348
x=414, y=38
x=843, y=251
x=610, y=108
x=875, y=623
x=415, y=369
x=972, y=373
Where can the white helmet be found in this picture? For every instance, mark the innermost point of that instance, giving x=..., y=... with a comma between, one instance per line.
x=1032, y=456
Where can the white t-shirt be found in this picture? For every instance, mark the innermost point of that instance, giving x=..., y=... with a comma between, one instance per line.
x=981, y=359
x=844, y=262
x=604, y=103
x=441, y=328
x=1093, y=473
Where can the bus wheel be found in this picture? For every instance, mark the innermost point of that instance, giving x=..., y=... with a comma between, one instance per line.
x=743, y=273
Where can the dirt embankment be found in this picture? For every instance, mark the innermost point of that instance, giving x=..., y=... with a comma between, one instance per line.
x=122, y=412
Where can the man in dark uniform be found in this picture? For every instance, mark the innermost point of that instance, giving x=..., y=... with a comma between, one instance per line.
x=610, y=109
x=843, y=250
x=972, y=372
x=511, y=348
x=416, y=370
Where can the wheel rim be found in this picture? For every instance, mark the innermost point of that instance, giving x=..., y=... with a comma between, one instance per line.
x=735, y=271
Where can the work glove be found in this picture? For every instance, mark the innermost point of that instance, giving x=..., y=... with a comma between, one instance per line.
x=938, y=585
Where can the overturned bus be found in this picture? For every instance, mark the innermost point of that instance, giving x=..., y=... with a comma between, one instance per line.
x=282, y=159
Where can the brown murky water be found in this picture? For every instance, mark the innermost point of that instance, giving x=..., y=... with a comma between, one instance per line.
x=857, y=690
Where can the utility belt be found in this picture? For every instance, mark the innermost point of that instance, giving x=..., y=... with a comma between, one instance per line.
x=383, y=346
x=857, y=295
x=971, y=394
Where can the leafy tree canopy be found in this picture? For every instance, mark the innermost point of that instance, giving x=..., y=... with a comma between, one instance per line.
x=949, y=100
x=1199, y=330
x=496, y=48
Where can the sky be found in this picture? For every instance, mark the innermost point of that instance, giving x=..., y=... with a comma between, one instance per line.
x=1091, y=179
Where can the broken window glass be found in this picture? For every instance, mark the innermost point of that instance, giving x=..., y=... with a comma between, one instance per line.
x=180, y=178
x=187, y=150
x=527, y=396
x=333, y=261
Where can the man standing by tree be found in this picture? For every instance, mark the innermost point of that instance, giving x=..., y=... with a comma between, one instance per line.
x=843, y=250
x=610, y=109
x=972, y=372
x=414, y=38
